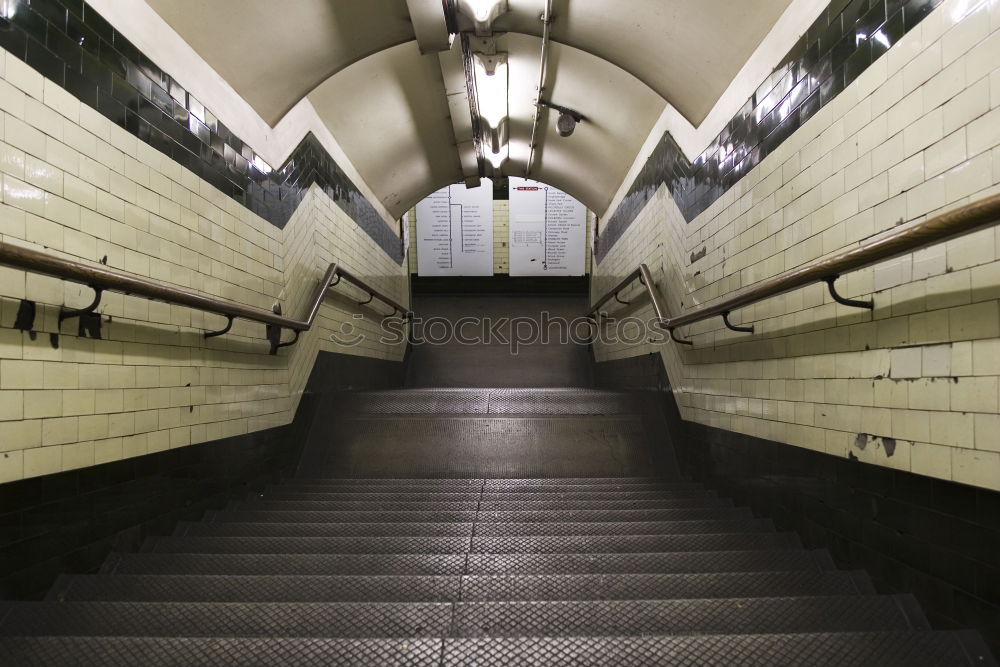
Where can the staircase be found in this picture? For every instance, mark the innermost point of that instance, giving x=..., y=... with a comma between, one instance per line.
x=486, y=527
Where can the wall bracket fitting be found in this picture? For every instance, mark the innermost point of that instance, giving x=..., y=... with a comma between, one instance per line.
x=67, y=313
x=273, y=333
x=853, y=303
x=223, y=331
x=673, y=337
x=733, y=327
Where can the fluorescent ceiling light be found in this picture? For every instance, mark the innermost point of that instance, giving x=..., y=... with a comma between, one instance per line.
x=491, y=92
x=497, y=159
x=482, y=9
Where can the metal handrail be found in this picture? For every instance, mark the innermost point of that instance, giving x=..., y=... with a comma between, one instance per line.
x=944, y=227
x=100, y=278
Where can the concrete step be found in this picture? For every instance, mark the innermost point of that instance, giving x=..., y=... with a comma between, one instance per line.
x=827, y=649
x=471, y=619
x=319, y=588
x=886, y=649
x=243, y=515
x=478, y=564
x=445, y=545
x=389, y=505
x=724, y=616
x=273, y=529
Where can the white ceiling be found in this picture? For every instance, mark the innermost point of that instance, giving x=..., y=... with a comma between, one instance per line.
x=618, y=63
x=687, y=51
x=395, y=127
x=275, y=52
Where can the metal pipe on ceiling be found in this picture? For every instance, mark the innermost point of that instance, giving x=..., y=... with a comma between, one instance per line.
x=542, y=71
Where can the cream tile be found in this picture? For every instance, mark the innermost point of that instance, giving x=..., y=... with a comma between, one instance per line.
x=974, y=467
x=930, y=460
x=977, y=394
x=970, y=177
x=22, y=136
x=77, y=455
x=944, y=155
x=969, y=104
x=906, y=363
x=974, y=321
x=983, y=58
x=42, y=461
x=936, y=360
x=11, y=466
x=952, y=428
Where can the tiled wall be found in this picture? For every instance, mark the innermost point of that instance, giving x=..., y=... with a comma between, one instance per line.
x=843, y=41
x=76, y=48
x=501, y=235
x=79, y=185
x=912, y=385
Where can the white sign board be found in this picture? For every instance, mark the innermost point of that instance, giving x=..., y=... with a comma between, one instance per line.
x=548, y=231
x=455, y=232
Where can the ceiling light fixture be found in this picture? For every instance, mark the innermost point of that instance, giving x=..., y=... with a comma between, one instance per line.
x=483, y=13
x=491, y=97
x=7, y=9
x=497, y=159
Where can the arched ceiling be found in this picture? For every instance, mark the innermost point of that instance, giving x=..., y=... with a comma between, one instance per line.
x=617, y=63
x=620, y=112
x=275, y=53
x=390, y=115
x=688, y=51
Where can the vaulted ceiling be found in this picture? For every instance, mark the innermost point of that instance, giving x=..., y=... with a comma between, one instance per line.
x=357, y=62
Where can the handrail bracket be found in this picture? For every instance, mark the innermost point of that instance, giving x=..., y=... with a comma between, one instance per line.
x=67, y=313
x=673, y=337
x=733, y=327
x=222, y=331
x=853, y=303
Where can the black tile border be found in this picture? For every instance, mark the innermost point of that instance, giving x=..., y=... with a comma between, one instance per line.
x=936, y=539
x=834, y=51
x=73, y=46
x=69, y=522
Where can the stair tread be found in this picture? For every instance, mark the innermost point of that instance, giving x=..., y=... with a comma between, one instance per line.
x=487, y=564
x=488, y=496
x=482, y=506
x=728, y=616
x=230, y=619
x=467, y=516
x=487, y=482
x=638, y=563
x=324, y=529
x=213, y=651
x=484, y=401
x=887, y=649
x=320, y=529
x=829, y=649
x=470, y=619
x=512, y=486
x=395, y=588
x=267, y=588
x=506, y=544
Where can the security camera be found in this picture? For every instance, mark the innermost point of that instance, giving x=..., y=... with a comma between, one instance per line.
x=566, y=124
x=568, y=118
